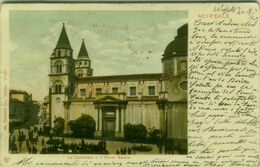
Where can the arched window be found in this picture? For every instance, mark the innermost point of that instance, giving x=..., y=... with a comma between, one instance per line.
x=58, y=86
x=80, y=74
x=57, y=100
x=183, y=66
x=58, y=66
x=68, y=53
x=183, y=85
x=59, y=53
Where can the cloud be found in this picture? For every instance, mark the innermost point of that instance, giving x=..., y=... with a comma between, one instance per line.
x=28, y=71
x=139, y=52
x=113, y=50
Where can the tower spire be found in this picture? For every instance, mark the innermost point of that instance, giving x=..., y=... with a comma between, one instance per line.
x=63, y=41
x=83, y=51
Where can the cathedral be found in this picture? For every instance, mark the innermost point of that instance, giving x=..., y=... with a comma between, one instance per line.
x=156, y=100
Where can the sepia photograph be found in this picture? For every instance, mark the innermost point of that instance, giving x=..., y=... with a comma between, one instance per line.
x=98, y=82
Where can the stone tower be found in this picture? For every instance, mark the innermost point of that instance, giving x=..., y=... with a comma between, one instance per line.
x=83, y=63
x=174, y=100
x=61, y=78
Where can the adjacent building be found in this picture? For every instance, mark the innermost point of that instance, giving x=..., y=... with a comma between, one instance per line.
x=22, y=109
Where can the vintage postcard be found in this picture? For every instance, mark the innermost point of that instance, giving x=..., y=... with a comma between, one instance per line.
x=150, y=84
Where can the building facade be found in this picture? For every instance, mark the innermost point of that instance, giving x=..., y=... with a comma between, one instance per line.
x=23, y=110
x=173, y=99
x=156, y=100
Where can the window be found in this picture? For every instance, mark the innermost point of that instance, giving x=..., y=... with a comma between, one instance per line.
x=57, y=100
x=132, y=91
x=66, y=89
x=183, y=66
x=82, y=92
x=114, y=90
x=98, y=90
x=80, y=74
x=58, y=66
x=151, y=90
x=184, y=85
x=57, y=87
x=80, y=63
x=59, y=53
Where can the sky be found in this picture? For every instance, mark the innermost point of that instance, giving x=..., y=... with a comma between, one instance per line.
x=118, y=42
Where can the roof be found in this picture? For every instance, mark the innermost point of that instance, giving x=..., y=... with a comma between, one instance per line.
x=179, y=46
x=107, y=99
x=63, y=42
x=14, y=100
x=13, y=91
x=120, y=78
x=83, y=54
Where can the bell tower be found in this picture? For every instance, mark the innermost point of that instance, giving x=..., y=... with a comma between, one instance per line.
x=83, y=64
x=61, y=77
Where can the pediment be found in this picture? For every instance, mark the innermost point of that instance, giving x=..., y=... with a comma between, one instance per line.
x=107, y=99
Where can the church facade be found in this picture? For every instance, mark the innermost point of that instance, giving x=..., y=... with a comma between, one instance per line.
x=156, y=100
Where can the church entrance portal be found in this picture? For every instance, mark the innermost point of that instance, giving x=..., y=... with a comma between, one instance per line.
x=109, y=122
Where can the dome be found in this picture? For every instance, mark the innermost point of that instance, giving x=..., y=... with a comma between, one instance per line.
x=179, y=45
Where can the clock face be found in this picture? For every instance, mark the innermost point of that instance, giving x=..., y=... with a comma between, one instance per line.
x=57, y=100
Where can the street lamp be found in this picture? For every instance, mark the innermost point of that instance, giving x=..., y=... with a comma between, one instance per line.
x=102, y=132
x=162, y=104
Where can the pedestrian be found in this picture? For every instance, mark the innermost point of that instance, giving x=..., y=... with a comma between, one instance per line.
x=29, y=149
x=36, y=139
x=34, y=150
x=129, y=150
x=13, y=138
x=20, y=144
x=27, y=143
x=160, y=148
x=43, y=142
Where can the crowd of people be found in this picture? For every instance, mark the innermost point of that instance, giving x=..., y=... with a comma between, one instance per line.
x=124, y=151
x=31, y=139
x=28, y=140
x=52, y=145
x=58, y=146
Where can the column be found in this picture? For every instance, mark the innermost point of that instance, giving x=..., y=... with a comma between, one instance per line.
x=143, y=112
x=66, y=130
x=97, y=125
x=66, y=118
x=100, y=119
x=117, y=120
x=122, y=119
